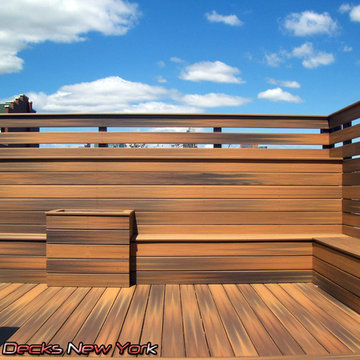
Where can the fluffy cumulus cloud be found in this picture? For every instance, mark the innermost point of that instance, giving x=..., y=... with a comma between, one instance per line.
x=114, y=94
x=279, y=94
x=214, y=100
x=274, y=59
x=311, y=57
x=216, y=71
x=24, y=22
x=231, y=20
x=310, y=23
x=354, y=11
x=283, y=83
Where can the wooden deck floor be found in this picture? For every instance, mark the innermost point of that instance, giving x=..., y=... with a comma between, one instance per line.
x=184, y=320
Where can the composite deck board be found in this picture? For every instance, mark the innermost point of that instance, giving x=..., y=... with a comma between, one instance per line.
x=276, y=321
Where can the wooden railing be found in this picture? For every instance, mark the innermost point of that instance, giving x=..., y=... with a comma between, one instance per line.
x=345, y=142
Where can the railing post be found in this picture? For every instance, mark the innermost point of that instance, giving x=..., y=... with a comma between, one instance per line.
x=103, y=129
x=217, y=130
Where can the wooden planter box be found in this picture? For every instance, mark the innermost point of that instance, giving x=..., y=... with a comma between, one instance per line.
x=88, y=247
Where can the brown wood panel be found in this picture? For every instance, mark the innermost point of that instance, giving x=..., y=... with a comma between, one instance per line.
x=351, y=192
x=47, y=331
x=162, y=138
x=109, y=333
x=22, y=301
x=71, y=326
x=168, y=191
x=23, y=229
x=218, y=342
x=131, y=330
x=174, y=165
x=309, y=320
x=338, y=292
x=26, y=312
x=16, y=293
x=342, y=334
x=223, y=277
x=346, y=150
x=351, y=231
x=329, y=307
x=88, y=280
x=19, y=248
x=284, y=341
x=22, y=217
x=343, y=279
x=163, y=153
x=223, y=263
x=93, y=323
x=8, y=289
x=160, y=205
x=25, y=332
x=350, y=219
x=241, y=217
x=351, y=165
x=300, y=334
x=120, y=237
x=346, y=244
x=87, y=222
x=342, y=261
x=194, y=334
x=345, y=115
x=24, y=276
x=87, y=251
x=88, y=266
x=153, y=322
x=167, y=178
x=160, y=120
x=224, y=249
x=172, y=335
x=351, y=205
x=351, y=178
x=349, y=133
x=261, y=339
x=239, y=229
x=23, y=262
x=235, y=330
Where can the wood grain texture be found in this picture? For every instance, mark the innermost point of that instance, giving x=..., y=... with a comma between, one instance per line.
x=167, y=178
x=87, y=222
x=88, y=266
x=162, y=138
x=87, y=251
x=349, y=133
x=170, y=192
x=169, y=120
x=87, y=280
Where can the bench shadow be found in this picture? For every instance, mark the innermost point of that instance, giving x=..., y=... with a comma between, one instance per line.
x=6, y=332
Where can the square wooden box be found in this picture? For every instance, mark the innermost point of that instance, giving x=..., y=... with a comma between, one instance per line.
x=88, y=247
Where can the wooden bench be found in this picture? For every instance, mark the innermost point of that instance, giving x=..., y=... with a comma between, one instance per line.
x=336, y=264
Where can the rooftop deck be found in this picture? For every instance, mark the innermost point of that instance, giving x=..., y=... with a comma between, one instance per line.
x=228, y=320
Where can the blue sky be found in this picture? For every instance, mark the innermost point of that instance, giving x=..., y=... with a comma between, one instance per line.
x=229, y=56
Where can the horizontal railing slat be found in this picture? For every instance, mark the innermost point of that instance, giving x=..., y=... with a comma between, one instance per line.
x=345, y=115
x=163, y=138
x=164, y=120
x=349, y=133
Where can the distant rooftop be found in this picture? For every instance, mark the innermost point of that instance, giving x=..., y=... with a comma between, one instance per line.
x=21, y=104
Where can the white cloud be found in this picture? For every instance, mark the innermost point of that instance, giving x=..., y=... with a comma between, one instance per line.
x=114, y=94
x=273, y=59
x=348, y=48
x=161, y=79
x=24, y=22
x=214, y=100
x=344, y=8
x=231, y=20
x=284, y=83
x=310, y=23
x=354, y=11
x=176, y=59
x=103, y=95
x=279, y=94
x=161, y=64
x=312, y=58
x=216, y=71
